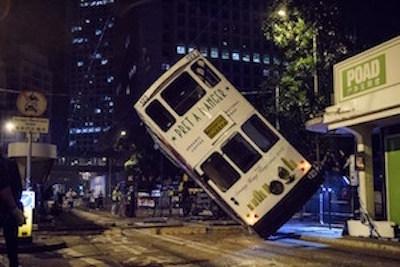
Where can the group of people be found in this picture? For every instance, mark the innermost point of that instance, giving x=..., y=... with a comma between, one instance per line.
x=11, y=211
x=123, y=204
x=94, y=200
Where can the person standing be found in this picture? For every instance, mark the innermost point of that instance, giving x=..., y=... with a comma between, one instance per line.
x=92, y=200
x=186, y=202
x=70, y=196
x=116, y=200
x=131, y=202
x=11, y=215
x=100, y=200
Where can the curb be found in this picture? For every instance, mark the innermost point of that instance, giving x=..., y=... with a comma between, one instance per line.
x=38, y=246
x=360, y=243
x=181, y=230
x=193, y=229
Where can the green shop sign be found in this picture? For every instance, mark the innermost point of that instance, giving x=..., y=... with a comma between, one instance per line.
x=364, y=76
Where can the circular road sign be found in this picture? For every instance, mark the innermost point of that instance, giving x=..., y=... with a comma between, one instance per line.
x=31, y=103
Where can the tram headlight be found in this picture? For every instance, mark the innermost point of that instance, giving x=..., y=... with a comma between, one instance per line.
x=304, y=166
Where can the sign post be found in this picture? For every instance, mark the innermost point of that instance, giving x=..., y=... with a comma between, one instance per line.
x=32, y=105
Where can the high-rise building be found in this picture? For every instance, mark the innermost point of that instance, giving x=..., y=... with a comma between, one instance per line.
x=89, y=74
x=152, y=35
x=24, y=68
x=155, y=34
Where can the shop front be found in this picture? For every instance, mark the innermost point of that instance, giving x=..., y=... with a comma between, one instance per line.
x=367, y=105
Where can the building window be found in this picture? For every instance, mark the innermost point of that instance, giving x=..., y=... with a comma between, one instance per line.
x=225, y=54
x=127, y=41
x=165, y=66
x=236, y=56
x=180, y=49
x=214, y=52
x=76, y=29
x=265, y=72
x=204, y=51
x=110, y=79
x=256, y=58
x=78, y=40
x=246, y=57
x=266, y=59
x=190, y=49
x=276, y=61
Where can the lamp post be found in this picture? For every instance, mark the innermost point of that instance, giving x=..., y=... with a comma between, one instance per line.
x=283, y=15
x=314, y=48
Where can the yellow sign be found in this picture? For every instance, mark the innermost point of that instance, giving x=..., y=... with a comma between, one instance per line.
x=25, y=230
x=28, y=202
x=32, y=125
x=216, y=126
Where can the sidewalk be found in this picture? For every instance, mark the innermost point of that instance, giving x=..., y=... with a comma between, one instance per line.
x=333, y=237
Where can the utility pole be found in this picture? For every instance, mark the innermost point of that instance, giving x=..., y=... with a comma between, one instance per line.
x=315, y=58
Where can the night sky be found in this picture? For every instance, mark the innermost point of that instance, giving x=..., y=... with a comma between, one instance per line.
x=371, y=21
x=43, y=22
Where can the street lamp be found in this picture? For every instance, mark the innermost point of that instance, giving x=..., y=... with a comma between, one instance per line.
x=9, y=126
x=122, y=133
x=282, y=13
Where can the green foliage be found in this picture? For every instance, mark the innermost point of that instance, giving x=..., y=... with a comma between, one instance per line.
x=306, y=35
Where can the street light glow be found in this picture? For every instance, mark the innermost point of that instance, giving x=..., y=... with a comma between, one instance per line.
x=123, y=133
x=282, y=13
x=9, y=126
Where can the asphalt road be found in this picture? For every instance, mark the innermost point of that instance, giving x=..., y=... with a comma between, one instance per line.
x=117, y=242
x=119, y=246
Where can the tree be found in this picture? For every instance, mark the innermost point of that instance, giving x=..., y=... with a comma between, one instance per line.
x=308, y=40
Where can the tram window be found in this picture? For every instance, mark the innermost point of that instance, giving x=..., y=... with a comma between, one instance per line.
x=182, y=93
x=205, y=73
x=220, y=171
x=241, y=152
x=160, y=115
x=259, y=133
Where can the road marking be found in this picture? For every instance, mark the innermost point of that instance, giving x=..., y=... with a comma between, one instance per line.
x=236, y=257
x=296, y=243
x=94, y=262
x=72, y=253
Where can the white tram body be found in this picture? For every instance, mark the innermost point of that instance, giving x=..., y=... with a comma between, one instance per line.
x=203, y=124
